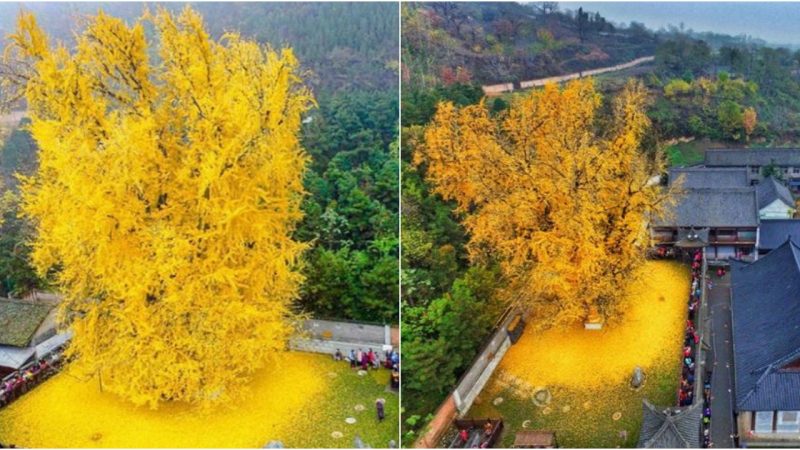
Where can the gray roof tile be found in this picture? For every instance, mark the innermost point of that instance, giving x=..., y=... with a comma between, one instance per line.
x=707, y=177
x=732, y=207
x=765, y=304
x=774, y=232
x=670, y=427
x=723, y=157
x=770, y=189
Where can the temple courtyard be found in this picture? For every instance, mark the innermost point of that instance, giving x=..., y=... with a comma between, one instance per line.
x=306, y=400
x=576, y=382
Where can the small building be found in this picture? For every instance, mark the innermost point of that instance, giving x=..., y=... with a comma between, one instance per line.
x=24, y=326
x=774, y=200
x=765, y=308
x=725, y=220
x=787, y=160
x=773, y=233
x=671, y=427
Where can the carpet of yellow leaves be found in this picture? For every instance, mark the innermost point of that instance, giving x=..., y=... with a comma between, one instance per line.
x=67, y=412
x=576, y=382
x=651, y=328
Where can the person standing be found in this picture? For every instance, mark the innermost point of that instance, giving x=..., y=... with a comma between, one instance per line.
x=379, y=409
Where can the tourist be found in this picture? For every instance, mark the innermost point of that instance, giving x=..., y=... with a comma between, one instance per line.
x=379, y=408
x=359, y=356
x=352, y=359
x=364, y=361
x=464, y=435
x=687, y=351
x=371, y=357
x=488, y=428
x=376, y=363
x=338, y=355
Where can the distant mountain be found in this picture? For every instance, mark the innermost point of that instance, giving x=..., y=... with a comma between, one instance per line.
x=346, y=45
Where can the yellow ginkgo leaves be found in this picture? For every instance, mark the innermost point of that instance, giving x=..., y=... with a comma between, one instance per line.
x=169, y=184
x=562, y=205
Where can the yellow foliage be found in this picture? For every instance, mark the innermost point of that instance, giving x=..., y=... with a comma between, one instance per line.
x=169, y=184
x=69, y=412
x=576, y=382
x=562, y=205
x=749, y=121
x=651, y=331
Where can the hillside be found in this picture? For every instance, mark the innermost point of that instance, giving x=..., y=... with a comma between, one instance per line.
x=346, y=45
x=504, y=42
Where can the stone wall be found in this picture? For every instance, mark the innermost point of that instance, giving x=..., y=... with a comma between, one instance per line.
x=498, y=89
x=326, y=336
x=470, y=384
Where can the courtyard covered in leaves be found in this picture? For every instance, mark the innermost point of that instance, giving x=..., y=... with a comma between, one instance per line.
x=305, y=400
x=576, y=382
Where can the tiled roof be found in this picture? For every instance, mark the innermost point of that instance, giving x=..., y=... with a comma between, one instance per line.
x=765, y=304
x=19, y=321
x=708, y=177
x=732, y=207
x=719, y=157
x=670, y=427
x=774, y=232
x=770, y=190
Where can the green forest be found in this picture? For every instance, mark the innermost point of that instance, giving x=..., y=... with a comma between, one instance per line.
x=705, y=89
x=349, y=52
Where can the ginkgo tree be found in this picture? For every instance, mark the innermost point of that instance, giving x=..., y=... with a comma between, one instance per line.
x=558, y=196
x=169, y=184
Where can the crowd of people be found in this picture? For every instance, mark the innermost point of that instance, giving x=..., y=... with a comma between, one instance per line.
x=359, y=359
x=691, y=338
x=691, y=344
x=21, y=381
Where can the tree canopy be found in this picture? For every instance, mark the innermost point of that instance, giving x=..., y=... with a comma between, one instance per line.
x=167, y=192
x=561, y=200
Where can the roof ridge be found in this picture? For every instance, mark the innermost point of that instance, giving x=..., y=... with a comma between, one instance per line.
x=795, y=249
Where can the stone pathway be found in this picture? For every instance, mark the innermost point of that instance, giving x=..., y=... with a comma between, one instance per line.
x=723, y=425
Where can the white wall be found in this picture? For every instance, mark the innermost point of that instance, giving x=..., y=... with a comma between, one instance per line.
x=776, y=210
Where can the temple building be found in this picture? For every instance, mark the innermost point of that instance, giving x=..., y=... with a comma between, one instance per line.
x=786, y=160
x=774, y=200
x=721, y=209
x=27, y=331
x=765, y=308
x=670, y=427
x=773, y=233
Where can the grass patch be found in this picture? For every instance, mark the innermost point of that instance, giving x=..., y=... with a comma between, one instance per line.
x=685, y=153
x=576, y=382
x=301, y=401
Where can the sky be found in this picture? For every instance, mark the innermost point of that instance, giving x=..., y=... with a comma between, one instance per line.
x=775, y=22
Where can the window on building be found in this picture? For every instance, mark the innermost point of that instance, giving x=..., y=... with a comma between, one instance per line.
x=796, y=170
x=788, y=422
x=754, y=170
x=764, y=421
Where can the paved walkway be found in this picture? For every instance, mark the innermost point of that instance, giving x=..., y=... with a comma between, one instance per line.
x=722, y=420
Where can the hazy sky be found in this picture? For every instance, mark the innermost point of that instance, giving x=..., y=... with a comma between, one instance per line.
x=774, y=22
